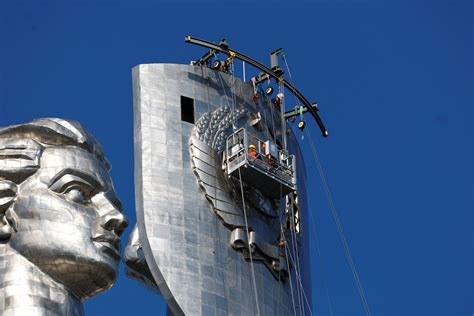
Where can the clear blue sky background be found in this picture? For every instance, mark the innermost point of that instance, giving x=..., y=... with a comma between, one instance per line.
x=395, y=86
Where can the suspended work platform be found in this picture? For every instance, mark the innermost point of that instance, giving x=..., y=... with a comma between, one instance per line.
x=262, y=164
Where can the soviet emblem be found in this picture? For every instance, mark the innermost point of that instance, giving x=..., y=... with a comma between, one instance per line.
x=245, y=175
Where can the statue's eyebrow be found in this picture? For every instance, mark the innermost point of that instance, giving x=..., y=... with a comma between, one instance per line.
x=67, y=176
x=75, y=175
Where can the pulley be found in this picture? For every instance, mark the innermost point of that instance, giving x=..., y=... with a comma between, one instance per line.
x=275, y=73
x=223, y=66
x=301, y=125
x=216, y=65
x=269, y=91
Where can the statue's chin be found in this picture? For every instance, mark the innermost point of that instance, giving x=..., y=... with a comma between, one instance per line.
x=84, y=277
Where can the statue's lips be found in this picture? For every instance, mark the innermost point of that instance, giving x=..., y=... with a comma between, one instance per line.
x=110, y=241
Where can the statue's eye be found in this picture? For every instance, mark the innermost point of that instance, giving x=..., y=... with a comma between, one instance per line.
x=75, y=188
x=78, y=195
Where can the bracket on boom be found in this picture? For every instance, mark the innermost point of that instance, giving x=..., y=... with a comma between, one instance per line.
x=206, y=58
x=297, y=110
x=224, y=48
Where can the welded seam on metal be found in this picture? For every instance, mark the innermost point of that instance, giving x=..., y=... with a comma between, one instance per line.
x=265, y=69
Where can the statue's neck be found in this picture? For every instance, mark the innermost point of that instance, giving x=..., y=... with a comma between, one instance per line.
x=26, y=290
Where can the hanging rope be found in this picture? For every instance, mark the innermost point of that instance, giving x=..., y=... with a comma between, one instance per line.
x=281, y=95
x=219, y=75
x=296, y=262
x=335, y=217
x=281, y=212
x=250, y=248
x=282, y=232
x=291, y=81
x=281, y=88
x=288, y=265
x=233, y=106
x=232, y=89
x=298, y=277
x=339, y=228
x=318, y=248
x=223, y=88
x=234, y=103
x=265, y=99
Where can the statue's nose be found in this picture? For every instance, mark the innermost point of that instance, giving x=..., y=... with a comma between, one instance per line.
x=111, y=218
x=115, y=221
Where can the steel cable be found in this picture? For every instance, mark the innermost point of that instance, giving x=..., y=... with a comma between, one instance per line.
x=339, y=227
x=250, y=247
x=293, y=234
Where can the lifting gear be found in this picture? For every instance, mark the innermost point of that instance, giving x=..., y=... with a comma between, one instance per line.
x=301, y=123
x=274, y=62
x=206, y=58
x=216, y=65
x=223, y=47
x=269, y=90
x=271, y=170
x=223, y=66
x=298, y=111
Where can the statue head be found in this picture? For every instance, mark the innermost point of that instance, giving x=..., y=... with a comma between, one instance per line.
x=58, y=207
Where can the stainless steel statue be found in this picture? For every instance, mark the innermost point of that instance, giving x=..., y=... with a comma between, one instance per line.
x=191, y=240
x=60, y=219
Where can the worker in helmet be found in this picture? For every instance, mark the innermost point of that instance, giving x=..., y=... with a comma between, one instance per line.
x=277, y=101
x=252, y=151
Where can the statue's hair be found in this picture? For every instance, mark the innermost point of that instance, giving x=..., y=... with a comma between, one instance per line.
x=21, y=147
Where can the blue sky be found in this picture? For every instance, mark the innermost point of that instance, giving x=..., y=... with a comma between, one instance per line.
x=394, y=80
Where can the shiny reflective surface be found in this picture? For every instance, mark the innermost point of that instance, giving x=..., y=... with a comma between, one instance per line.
x=189, y=216
x=137, y=267
x=223, y=191
x=60, y=219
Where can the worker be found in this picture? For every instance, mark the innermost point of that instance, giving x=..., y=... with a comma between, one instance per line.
x=277, y=101
x=255, y=95
x=252, y=151
x=267, y=157
x=226, y=65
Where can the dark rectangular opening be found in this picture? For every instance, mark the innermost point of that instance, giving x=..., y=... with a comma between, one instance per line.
x=187, y=109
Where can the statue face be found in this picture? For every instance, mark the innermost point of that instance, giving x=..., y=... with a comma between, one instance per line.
x=68, y=220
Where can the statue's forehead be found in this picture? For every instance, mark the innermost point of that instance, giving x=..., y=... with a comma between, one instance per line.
x=57, y=159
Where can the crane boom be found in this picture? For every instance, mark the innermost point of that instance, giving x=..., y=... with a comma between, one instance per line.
x=235, y=54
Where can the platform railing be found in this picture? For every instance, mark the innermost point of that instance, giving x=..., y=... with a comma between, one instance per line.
x=243, y=148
